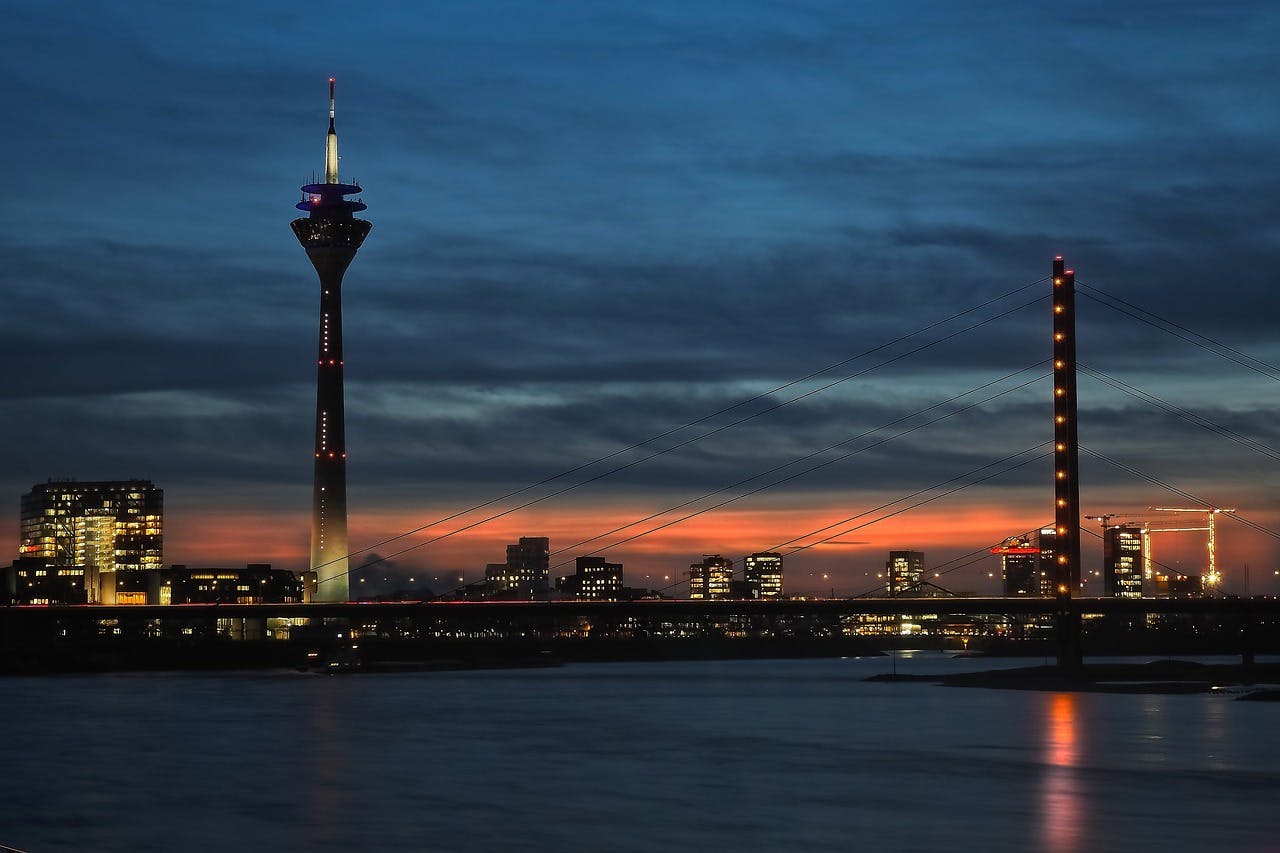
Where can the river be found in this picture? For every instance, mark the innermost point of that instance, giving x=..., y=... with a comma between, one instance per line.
x=706, y=756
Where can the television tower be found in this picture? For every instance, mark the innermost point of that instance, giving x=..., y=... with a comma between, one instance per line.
x=331, y=236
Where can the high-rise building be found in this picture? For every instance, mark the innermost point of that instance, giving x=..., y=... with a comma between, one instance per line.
x=528, y=566
x=1122, y=560
x=1050, y=573
x=101, y=526
x=904, y=572
x=593, y=578
x=712, y=578
x=763, y=575
x=331, y=236
x=1019, y=566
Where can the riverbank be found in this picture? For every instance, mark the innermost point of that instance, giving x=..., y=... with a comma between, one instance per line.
x=1157, y=677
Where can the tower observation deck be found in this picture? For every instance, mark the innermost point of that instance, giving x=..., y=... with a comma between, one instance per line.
x=331, y=236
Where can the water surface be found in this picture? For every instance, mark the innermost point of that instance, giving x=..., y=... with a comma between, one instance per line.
x=741, y=755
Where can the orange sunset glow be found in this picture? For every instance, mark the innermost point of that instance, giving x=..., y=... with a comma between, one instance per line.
x=215, y=536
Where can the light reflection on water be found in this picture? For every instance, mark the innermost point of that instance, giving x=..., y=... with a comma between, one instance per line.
x=1062, y=810
x=743, y=755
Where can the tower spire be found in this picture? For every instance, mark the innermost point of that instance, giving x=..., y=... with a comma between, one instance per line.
x=331, y=145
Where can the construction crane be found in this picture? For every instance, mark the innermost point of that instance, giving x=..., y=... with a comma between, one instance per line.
x=1212, y=579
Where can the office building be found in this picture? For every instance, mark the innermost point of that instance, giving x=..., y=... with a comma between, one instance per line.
x=94, y=527
x=256, y=583
x=762, y=573
x=904, y=572
x=593, y=578
x=712, y=578
x=1051, y=574
x=1019, y=566
x=331, y=235
x=525, y=574
x=528, y=565
x=35, y=580
x=1122, y=561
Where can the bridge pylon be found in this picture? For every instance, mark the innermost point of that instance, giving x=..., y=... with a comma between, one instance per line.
x=1066, y=465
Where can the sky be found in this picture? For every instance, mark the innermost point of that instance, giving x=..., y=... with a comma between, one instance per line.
x=595, y=223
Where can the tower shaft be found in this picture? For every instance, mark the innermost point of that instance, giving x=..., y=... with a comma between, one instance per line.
x=329, y=489
x=1066, y=439
x=1066, y=465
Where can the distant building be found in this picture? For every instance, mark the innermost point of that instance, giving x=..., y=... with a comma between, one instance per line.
x=525, y=574
x=593, y=578
x=100, y=527
x=497, y=580
x=904, y=571
x=35, y=580
x=1019, y=566
x=712, y=578
x=256, y=583
x=529, y=561
x=762, y=573
x=1050, y=574
x=1122, y=561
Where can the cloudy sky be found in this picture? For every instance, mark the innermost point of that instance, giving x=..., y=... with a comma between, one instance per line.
x=595, y=223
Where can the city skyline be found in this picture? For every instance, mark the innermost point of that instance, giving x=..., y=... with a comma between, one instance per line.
x=536, y=306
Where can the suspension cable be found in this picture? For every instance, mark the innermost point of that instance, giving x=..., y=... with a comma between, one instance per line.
x=798, y=460
x=657, y=453
x=1187, y=415
x=1177, y=491
x=1246, y=361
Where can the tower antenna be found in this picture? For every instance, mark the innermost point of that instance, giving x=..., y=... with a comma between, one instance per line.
x=331, y=144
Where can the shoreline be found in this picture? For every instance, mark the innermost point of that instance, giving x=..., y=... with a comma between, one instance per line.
x=1167, y=677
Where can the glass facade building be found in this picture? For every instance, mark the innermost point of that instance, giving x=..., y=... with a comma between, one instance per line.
x=1122, y=561
x=763, y=575
x=712, y=578
x=102, y=526
x=904, y=572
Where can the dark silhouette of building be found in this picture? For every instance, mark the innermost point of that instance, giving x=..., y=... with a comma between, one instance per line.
x=1122, y=560
x=331, y=236
x=593, y=578
x=1019, y=566
x=762, y=573
x=904, y=571
x=712, y=578
x=525, y=574
x=529, y=565
x=35, y=580
x=256, y=583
